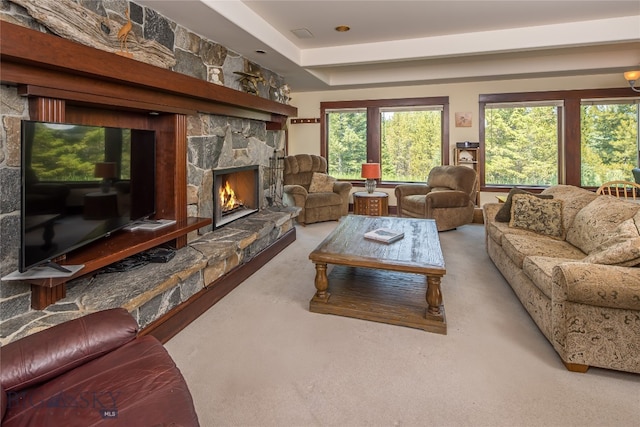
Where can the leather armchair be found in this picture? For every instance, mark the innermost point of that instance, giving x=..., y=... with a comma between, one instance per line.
x=316, y=206
x=92, y=370
x=448, y=197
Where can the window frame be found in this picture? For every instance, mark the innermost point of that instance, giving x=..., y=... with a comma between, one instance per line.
x=374, y=136
x=569, y=148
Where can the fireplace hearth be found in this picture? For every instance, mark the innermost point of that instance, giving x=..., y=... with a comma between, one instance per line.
x=235, y=193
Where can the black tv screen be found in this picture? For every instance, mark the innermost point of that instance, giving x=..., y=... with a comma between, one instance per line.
x=81, y=183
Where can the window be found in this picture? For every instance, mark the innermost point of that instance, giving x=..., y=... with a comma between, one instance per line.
x=411, y=143
x=347, y=142
x=407, y=137
x=577, y=137
x=521, y=144
x=609, y=146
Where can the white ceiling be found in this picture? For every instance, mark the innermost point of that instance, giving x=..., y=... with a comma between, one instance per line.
x=396, y=42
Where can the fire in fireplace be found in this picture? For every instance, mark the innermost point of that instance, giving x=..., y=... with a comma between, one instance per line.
x=235, y=193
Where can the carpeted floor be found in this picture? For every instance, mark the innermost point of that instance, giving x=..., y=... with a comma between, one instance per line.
x=260, y=358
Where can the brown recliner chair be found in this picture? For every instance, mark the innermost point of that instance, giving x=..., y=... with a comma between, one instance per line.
x=317, y=206
x=448, y=197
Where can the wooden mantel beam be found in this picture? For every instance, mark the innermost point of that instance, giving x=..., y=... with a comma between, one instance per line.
x=38, y=52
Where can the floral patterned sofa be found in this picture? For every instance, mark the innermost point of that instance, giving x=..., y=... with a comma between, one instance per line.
x=572, y=259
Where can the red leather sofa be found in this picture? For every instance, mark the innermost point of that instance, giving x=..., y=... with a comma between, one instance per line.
x=94, y=370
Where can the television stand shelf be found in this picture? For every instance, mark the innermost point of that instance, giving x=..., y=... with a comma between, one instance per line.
x=120, y=245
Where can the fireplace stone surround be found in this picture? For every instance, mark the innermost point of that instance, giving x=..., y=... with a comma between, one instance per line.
x=204, y=271
x=213, y=138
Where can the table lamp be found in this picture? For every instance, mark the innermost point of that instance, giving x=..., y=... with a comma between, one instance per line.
x=106, y=171
x=370, y=171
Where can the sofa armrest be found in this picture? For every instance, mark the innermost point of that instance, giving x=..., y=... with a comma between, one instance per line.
x=404, y=190
x=489, y=211
x=60, y=348
x=597, y=285
x=342, y=188
x=296, y=193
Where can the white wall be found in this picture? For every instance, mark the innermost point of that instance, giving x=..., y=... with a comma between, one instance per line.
x=463, y=97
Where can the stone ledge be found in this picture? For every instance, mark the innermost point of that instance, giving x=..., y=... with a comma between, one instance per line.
x=151, y=291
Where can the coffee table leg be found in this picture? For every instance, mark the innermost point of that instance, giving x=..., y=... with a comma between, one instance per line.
x=321, y=282
x=434, y=296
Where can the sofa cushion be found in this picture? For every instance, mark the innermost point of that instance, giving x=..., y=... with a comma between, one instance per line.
x=518, y=247
x=573, y=199
x=415, y=203
x=597, y=222
x=622, y=248
x=319, y=200
x=497, y=229
x=540, y=270
x=321, y=183
x=504, y=214
x=537, y=215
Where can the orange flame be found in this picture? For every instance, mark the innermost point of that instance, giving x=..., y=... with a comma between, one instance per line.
x=228, y=198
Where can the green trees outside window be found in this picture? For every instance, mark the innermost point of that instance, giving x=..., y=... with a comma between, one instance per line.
x=609, y=147
x=576, y=137
x=521, y=146
x=347, y=141
x=406, y=136
x=411, y=144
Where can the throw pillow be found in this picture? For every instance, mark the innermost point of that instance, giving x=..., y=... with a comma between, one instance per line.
x=542, y=216
x=321, y=183
x=504, y=214
x=622, y=248
x=597, y=222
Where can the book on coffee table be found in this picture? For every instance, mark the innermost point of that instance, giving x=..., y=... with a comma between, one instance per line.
x=384, y=235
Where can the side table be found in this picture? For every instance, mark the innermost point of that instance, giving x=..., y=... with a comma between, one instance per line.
x=372, y=204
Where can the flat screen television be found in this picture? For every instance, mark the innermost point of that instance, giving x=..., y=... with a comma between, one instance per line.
x=81, y=183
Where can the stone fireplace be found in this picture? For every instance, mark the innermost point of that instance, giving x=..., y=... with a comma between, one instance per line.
x=219, y=145
x=235, y=193
x=200, y=127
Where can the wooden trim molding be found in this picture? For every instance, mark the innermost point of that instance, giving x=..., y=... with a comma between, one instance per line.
x=304, y=121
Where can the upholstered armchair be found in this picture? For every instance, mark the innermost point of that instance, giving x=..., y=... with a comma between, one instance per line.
x=307, y=186
x=448, y=197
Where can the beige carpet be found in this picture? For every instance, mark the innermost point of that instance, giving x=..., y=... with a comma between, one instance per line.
x=260, y=358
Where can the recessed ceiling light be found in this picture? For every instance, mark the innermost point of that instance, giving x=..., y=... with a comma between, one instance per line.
x=302, y=33
x=342, y=28
x=260, y=51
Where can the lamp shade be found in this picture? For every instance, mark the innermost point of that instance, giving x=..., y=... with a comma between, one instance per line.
x=371, y=170
x=632, y=75
x=105, y=170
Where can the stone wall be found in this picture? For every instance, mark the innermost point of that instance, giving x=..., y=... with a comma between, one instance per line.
x=213, y=141
x=188, y=52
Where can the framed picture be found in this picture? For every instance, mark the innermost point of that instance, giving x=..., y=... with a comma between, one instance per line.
x=463, y=120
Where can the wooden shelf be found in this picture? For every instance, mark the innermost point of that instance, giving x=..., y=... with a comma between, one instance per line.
x=103, y=252
x=119, y=246
x=473, y=164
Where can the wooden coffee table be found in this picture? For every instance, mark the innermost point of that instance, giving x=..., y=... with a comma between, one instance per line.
x=382, y=282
